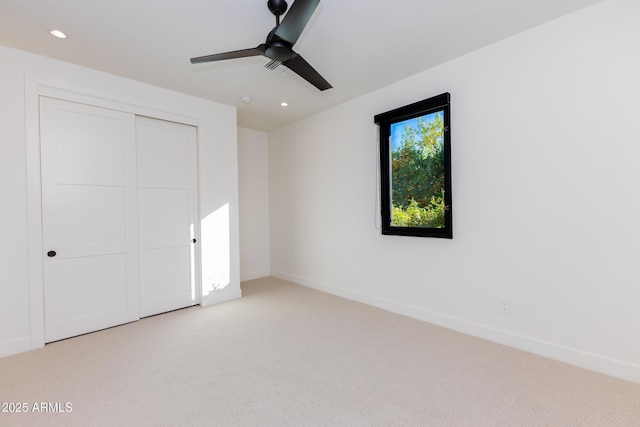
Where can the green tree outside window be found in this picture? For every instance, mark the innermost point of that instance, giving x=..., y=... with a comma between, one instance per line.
x=418, y=173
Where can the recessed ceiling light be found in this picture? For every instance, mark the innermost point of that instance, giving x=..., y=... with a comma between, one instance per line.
x=284, y=104
x=59, y=34
x=246, y=99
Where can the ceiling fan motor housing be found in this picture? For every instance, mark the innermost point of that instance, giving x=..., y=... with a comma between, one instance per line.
x=278, y=51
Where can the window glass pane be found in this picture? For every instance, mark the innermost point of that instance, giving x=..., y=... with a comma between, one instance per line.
x=418, y=172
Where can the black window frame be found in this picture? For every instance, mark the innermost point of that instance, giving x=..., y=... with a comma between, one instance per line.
x=439, y=103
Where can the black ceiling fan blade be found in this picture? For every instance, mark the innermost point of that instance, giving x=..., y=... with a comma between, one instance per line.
x=244, y=53
x=296, y=19
x=302, y=68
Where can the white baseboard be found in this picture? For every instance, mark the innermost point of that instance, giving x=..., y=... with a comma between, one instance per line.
x=582, y=359
x=20, y=345
x=245, y=277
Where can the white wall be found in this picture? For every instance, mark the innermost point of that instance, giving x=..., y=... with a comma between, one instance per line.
x=546, y=196
x=254, y=204
x=22, y=77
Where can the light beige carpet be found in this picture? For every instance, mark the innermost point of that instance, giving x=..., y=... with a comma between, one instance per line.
x=285, y=355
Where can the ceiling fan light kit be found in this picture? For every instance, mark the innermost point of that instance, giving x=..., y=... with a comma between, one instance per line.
x=278, y=46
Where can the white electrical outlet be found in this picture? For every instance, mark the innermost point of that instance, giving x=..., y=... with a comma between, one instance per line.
x=505, y=306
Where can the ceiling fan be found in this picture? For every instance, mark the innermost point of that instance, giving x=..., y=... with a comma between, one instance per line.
x=279, y=44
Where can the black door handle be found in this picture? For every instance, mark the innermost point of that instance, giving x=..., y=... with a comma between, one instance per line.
x=193, y=241
x=51, y=254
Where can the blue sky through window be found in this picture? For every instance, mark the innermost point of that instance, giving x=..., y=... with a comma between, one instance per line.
x=398, y=129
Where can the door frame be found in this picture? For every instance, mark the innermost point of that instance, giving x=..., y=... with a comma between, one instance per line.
x=35, y=87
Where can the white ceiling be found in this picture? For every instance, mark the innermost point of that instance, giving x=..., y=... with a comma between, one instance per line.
x=357, y=45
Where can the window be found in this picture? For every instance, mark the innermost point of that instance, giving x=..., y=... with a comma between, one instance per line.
x=415, y=169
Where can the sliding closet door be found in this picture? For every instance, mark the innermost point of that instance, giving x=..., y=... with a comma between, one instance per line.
x=89, y=206
x=167, y=180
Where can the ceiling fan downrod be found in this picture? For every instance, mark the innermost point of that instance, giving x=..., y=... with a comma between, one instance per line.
x=277, y=7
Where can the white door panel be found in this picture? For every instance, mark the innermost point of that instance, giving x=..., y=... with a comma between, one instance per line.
x=167, y=189
x=163, y=272
x=81, y=205
x=165, y=152
x=94, y=138
x=165, y=214
x=96, y=300
x=89, y=204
